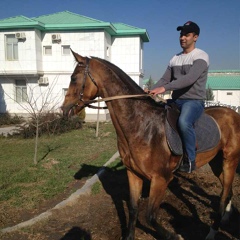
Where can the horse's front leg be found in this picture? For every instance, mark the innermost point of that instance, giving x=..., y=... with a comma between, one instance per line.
x=158, y=188
x=135, y=186
x=226, y=178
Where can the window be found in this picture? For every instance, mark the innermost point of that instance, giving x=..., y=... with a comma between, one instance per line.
x=229, y=93
x=11, y=47
x=47, y=50
x=65, y=91
x=21, y=91
x=66, y=50
x=108, y=52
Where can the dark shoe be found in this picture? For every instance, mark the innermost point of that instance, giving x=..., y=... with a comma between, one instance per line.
x=187, y=167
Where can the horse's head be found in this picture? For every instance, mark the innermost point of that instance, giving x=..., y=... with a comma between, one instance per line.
x=82, y=87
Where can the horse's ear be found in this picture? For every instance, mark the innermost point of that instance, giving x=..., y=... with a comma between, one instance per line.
x=77, y=57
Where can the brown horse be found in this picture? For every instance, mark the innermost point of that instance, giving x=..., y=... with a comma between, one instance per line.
x=139, y=124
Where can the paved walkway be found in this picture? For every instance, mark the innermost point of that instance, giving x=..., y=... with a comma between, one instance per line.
x=8, y=130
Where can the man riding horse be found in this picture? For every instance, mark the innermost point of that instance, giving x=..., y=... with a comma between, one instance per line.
x=140, y=127
x=186, y=75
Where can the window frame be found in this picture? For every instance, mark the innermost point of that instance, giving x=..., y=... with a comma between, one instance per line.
x=64, y=91
x=66, y=54
x=45, y=48
x=21, y=91
x=11, y=54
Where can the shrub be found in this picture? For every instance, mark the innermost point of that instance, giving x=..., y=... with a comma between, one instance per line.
x=7, y=119
x=49, y=123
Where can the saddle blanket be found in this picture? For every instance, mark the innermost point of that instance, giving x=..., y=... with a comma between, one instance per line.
x=207, y=135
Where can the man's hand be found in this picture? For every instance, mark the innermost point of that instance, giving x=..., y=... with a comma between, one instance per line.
x=146, y=90
x=158, y=90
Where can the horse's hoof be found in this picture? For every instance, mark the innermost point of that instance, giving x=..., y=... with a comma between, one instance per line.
x=227, y=214
x=176, y=237
x=211, y=234
x=179, y=237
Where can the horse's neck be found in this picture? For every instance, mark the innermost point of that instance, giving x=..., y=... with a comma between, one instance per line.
x=110, y=90
x=123, y=110
x=119, y=106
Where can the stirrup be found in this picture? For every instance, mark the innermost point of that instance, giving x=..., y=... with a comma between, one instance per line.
x=187, y=165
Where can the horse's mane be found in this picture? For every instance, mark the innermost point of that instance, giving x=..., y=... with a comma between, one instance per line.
x=129, y=82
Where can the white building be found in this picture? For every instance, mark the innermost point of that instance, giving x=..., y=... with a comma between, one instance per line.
x=35, y=56
x=225, y=85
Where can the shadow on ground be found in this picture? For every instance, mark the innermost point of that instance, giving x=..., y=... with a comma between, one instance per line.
x=188, y=208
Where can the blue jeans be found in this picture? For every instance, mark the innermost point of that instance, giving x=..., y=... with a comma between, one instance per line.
x=190, y=111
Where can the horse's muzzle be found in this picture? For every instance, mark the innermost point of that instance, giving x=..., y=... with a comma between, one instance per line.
x=67, y=111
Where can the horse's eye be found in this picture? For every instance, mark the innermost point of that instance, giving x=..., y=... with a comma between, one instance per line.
x=73, y=79
x=80, y=64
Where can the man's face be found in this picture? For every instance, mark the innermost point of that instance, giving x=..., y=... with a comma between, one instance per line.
x=187, y=40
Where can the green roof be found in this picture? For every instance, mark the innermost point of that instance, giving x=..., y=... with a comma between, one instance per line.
x=226, y=80
x=124, y=29
x=19, y=22
x=65, y=17
x=16, y=19
x=71, y=21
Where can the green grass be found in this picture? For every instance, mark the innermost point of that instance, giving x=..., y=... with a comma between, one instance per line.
x=96, y=188
x=61, y=159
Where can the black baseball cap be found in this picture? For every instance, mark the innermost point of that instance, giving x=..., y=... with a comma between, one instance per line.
x=189, y=27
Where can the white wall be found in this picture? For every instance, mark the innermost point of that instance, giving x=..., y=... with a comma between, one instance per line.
x=27, y=62
x=223, y=97
x=125, y=52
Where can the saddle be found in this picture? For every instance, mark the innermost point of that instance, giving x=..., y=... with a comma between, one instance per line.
x=206, y=128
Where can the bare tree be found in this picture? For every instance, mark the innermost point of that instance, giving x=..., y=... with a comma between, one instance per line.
x=150, y=83
x=38, y=101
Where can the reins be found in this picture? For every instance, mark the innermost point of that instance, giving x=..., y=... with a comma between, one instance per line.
x=87, y=103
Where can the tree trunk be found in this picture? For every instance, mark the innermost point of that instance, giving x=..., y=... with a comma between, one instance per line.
x=36, y=142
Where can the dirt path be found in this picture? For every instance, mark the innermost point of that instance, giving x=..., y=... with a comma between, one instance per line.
x=187, y=209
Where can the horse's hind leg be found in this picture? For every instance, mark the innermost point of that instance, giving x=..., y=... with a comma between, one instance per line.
x=226, y=178
x=158, y=188
x=135, y=186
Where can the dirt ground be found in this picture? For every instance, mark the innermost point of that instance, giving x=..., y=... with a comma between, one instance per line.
x=187, y=209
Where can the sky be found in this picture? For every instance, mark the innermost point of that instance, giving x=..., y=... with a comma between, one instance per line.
x=219, y=22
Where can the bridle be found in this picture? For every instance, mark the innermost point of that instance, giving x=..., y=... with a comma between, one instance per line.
x=89, y=102
x=87, y=73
